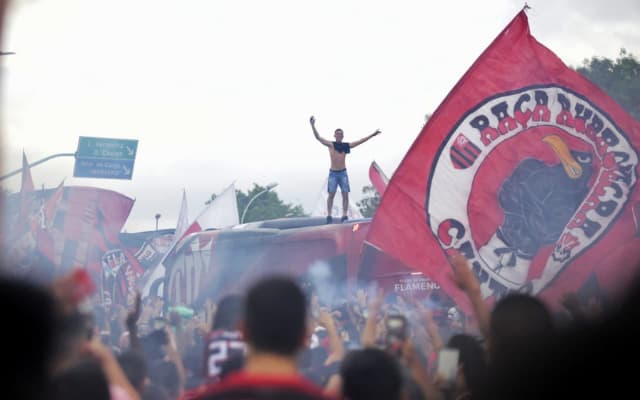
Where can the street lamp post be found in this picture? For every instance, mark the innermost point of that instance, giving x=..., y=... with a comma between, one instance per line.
x=268, y=188
x=157, y=218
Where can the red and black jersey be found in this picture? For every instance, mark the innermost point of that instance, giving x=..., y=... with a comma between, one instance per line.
x=245, y=386
x=222, y=347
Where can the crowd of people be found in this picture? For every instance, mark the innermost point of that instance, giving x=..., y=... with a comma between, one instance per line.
x=279, y=340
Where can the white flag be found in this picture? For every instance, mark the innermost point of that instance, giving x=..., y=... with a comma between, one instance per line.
x=222, y=212
x=183, y=218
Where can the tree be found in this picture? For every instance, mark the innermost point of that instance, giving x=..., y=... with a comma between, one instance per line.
x=369, y=202
x=619, y=78
x=267, y=206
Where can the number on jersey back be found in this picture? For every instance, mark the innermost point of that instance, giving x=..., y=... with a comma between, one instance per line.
x=223, y=347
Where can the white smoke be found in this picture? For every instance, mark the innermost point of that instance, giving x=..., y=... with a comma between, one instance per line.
x=319, y=275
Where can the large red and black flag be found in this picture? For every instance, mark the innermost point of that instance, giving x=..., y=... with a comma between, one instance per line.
x=76, y=227
x=85, y=232
x=526, y=168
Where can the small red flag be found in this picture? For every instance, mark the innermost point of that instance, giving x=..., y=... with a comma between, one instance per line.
x=26, y=187
x=378, y=179
x=27, y=180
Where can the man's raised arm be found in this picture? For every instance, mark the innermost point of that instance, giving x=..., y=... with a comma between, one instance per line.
x=364, y=139
x=316, y=134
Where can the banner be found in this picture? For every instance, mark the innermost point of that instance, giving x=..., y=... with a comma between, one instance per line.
x=526, y=168
x=222, y=212
x=148, y=247
x=156, y=271
x=75, y=227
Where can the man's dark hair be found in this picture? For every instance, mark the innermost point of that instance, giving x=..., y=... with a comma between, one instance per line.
x=519, y=323
x=371, y=374
x=574, y=362
x=275, y=316
x=472, y=358
x=71, y=330
x=229, y=313
x=83, y=380
x=134, y=367
x=29, y=320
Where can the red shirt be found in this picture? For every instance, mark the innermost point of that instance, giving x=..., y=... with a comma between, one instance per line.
x=245, y=386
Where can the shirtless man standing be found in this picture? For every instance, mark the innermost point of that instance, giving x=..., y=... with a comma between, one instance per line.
x=338, y=151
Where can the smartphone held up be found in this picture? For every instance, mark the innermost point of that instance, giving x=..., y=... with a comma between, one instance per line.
x=448, y=364
x=397, y=332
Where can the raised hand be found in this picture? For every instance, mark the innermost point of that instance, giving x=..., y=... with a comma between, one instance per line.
x=73, y=288
x=375, y=304
x=466, y=280
x=409, y=353
x=134, y=315
x=362, y=298
x=324, y=318
x=312, y=120
x=463, y=275
x=96, y=349
x=210, y=309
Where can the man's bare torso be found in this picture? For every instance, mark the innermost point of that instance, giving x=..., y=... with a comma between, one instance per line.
x=337, y=159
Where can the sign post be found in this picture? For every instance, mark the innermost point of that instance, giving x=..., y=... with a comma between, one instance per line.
x=105, y=158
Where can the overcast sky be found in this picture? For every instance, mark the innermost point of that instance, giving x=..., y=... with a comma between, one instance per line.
x=218, y=91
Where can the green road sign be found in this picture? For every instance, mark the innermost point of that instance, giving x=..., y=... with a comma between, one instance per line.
x=105, y=158
x=106, y=148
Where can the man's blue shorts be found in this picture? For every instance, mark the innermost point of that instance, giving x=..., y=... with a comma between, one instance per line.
x=338, y=178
